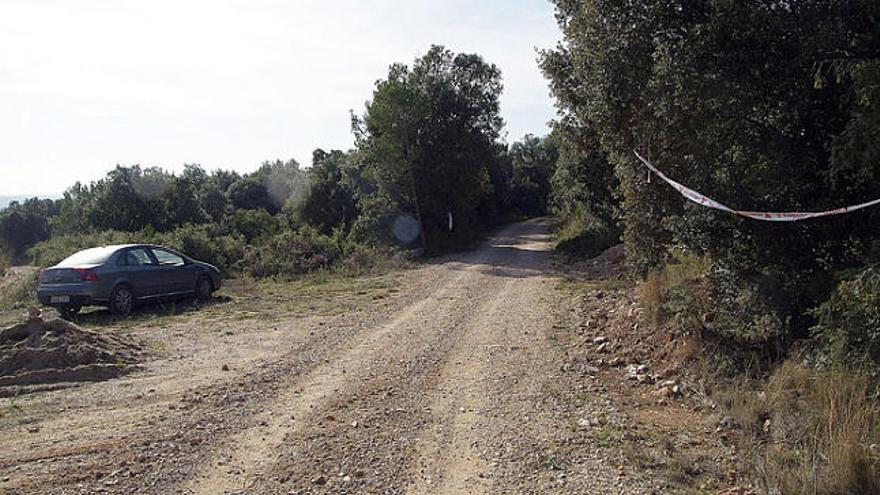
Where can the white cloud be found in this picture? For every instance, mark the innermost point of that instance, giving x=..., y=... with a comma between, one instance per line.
x=87, y=84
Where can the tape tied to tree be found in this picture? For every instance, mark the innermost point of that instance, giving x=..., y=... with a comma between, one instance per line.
x=766, y=216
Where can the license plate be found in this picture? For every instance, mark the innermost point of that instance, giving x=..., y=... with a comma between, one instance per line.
x=60, y=299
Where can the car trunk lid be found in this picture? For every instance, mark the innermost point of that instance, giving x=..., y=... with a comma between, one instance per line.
x=67, y=275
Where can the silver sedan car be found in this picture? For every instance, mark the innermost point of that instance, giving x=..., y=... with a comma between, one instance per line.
x=121, y=276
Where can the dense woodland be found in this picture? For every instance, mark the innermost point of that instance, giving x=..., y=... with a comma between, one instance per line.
x=767, y=106
x=762, y=105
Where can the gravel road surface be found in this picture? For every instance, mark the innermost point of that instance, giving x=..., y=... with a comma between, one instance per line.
x=455, y=385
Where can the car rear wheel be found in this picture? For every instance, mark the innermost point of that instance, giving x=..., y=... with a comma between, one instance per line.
x=204, y=288
x=121, y=301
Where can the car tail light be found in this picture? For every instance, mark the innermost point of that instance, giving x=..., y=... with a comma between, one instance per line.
x=87, y=275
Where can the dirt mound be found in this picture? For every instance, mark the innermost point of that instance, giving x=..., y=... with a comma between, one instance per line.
x=45, y=352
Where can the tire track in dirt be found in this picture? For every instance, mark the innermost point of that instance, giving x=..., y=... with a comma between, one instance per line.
x=247, y=455
x=452, y=455
x=176, y=431
x=360, y=403
x=369, y=438
x=367, y=432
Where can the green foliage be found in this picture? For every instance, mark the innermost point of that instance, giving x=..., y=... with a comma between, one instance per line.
x=583, y=183
x=253, y=224
x=23, y=224
x=762, y=105
x=849, y=322
x=5, y=258
x=677, y=292
x=532, y=163
x=290, y=254
x=270, y=188
x=130, y=199
x=206, y=243
x=428, y=138
x=332, y=202
x=55, y=249
x=579, y=236
x=249, y=193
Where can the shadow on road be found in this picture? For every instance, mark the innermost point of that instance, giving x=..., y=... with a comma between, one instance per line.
x=521, y=250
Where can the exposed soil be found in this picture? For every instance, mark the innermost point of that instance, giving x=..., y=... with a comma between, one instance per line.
x=665, y=423
x=42, y=352
x=470, y=377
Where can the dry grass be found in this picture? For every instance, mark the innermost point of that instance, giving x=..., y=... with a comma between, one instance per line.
x=674, y=290
x=652, y=294
x=811, y=432
x=806, y=431
x=17, y=292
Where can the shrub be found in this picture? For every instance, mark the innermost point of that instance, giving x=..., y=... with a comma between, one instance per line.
x=205, y=243
x=361, y=259
x=581, y=237
x=676, y=293
x=849, y=322
x=290, y=254
x=55, y=249
x=253, y=224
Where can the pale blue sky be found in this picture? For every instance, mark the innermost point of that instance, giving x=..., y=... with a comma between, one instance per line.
x=86, y=84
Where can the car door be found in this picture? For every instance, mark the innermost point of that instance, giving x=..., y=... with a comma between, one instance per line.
x=142, y=272
x=177, y=275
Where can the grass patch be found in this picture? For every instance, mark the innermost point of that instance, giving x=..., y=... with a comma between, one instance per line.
x=675, y=292
x=18, y=291
x=809, y=431
x=318, y=294
x=581, y=238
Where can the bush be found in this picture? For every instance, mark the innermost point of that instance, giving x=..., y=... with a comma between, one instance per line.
x=5, y=259
x=849, y=322
x=581, y=237
x=290, y=254
x=55, y=249
x=253, y=224
x=205, y=243
x=677, y=293
x=360, y=259
x=24, y=224
x=770, y=132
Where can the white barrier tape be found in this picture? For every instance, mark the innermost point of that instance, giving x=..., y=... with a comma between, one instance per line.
x=757, y=215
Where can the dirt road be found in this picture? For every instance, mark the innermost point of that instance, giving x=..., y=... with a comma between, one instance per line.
x=453, y=385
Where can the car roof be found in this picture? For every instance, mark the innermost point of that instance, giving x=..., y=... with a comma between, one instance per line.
x=119, y=247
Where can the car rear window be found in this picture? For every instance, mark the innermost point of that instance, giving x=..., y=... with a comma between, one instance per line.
x=93, y=256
